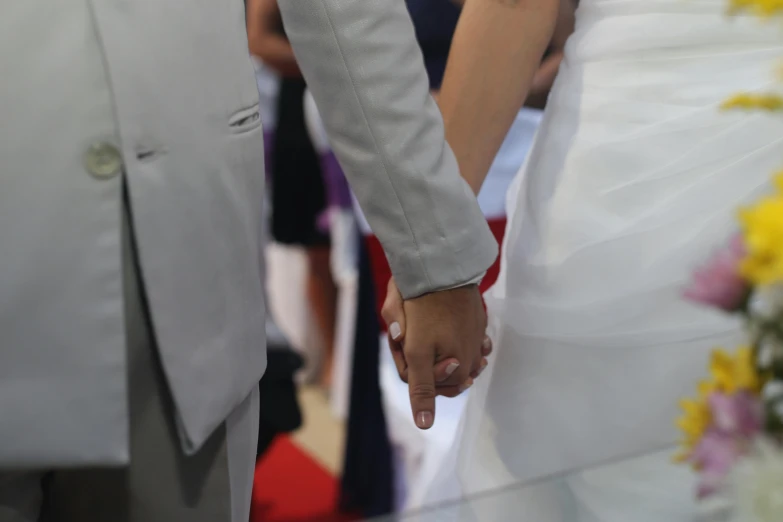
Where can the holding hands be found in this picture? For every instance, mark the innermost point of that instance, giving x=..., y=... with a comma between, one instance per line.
x=438, y=342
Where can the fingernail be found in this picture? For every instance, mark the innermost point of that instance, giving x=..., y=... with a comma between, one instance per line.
x=395, y=331
x=484, y=364
x=424, y=420
x=486, y=344
x=466, y=385
x=451, y=368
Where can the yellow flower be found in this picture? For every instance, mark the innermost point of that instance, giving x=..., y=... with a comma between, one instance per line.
x=728, y=374
x=763, y=8
x=762, y=226
x=732, y=373
x=693, y=422
x=767, y=102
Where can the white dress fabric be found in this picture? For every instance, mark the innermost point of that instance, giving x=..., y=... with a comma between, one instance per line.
x=634, y=179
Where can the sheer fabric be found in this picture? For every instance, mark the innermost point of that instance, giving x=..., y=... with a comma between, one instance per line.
x=634, y=178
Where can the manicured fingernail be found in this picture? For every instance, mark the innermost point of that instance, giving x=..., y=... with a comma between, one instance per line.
x=486, y=345
x=451, y=368
x=395, y=331
x=424, y=420
x=483, y=366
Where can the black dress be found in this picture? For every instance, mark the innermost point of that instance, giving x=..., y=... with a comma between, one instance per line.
x=298, y=192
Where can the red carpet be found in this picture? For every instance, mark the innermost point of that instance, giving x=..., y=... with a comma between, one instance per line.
x=292, y=487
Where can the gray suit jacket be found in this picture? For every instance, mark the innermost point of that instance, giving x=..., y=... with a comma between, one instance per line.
x=161, y=93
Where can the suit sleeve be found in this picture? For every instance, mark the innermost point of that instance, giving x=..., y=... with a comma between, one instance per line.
x=366, y=73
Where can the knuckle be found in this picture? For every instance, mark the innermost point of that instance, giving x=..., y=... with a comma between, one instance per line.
x=422, y=391
x=386, y=310
x=391, y=292
x=389, y=308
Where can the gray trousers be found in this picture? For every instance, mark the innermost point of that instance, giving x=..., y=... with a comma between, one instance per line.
x=161, y=484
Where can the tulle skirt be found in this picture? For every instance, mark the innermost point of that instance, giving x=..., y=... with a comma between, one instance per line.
x=635, y=177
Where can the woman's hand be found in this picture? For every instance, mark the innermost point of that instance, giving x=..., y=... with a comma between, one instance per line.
x=546, y=73
x=450, y=377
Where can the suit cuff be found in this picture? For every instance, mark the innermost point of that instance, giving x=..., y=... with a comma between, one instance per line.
x=475, y=281
x=459, y=260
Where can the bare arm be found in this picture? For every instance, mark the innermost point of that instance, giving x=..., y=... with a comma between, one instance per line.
x=495, y=53
x=566, y=20
x=266, y=43
x=545, y=76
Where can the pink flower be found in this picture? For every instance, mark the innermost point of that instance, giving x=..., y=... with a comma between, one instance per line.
x=739, y=415
x=714, y=457
x=737, y=419
x=718, y=283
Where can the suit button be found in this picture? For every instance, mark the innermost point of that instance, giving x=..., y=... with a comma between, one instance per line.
x=103, y=160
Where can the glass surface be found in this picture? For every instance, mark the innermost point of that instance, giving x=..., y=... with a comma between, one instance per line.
x=639, y=489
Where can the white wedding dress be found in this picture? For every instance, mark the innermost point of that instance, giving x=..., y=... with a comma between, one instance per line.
x=635, y=177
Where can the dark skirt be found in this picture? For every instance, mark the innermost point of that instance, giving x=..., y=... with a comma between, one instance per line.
x=368, y=475
x=297, y=186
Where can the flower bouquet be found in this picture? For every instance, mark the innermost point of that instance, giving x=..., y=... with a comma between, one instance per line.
x=733, y=428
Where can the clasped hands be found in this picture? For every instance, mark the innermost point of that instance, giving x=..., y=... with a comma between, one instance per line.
x=438, y=342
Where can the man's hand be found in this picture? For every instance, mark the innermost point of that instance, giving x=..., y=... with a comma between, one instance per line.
x=438, y=342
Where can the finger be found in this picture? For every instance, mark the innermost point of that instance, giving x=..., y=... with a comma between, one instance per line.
x=453, y=391
x=450, y=372
x=486, y=349
x=445, y=369
x=482, y=366
x=421, y=386
x=446, y=373
x=486, y=346
x=399, y=358
x=393, y=312
x=484, y=343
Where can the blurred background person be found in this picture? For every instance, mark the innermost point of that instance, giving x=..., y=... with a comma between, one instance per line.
x=279, y=408
x=298, y=194
x=299, y=440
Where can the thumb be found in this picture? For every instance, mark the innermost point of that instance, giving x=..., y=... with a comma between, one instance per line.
x=421, y=384
x=393, y=312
